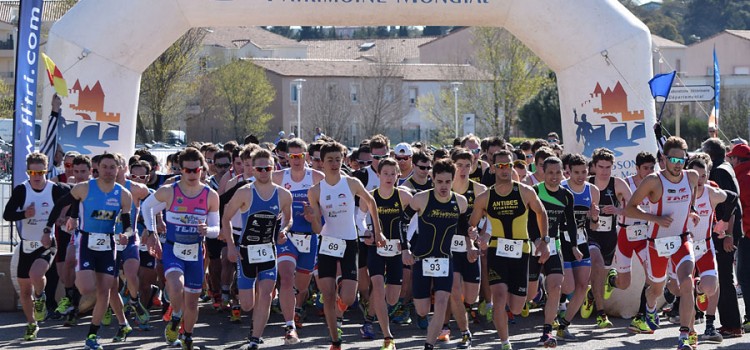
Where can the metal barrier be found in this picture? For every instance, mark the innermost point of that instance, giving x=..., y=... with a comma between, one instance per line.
x=8, y=235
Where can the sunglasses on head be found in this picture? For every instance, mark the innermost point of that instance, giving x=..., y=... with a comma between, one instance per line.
x=139, y=177
x=263, y=169
x=193, y=170
x=36, y=172
x=223, y=165
x=677, y=160
x=402, y=159
x=519, y=164
x=503, y=165
x=424, y=167
x=68, y=165
x=364, y=162
x=296, y=155
x=379, y=157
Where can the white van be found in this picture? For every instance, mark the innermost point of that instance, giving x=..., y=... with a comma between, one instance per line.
x=6, y=130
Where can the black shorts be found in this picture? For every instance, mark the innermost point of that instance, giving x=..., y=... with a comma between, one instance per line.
x=363, y=253
x=62, y=237
x=392, y=268
x=25, y=260
x=327, y=264
x=553, y=265
x=512, y=272
x=147, y=260
x=567, y=253
x=470, y=272
x=422, y=286
x=214, y=247
x=606, y=242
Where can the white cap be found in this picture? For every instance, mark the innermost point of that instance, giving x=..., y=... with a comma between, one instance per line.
x=403, y=149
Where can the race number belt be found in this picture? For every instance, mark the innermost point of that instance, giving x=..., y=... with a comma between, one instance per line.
x=100, y=242
x=667, y=246
x=260, y=253
x=458, y=245
x=301, y=241
x=31, y=246
x=435, y=267
x=391, y=248
x=636, y=232
x=331, y=246
x=186, y=252
x=509, y=248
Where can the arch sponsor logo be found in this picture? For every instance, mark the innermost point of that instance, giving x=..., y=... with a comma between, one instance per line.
x=90, y=125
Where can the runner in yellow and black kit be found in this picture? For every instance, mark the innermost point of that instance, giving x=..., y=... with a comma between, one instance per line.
x=506, y=206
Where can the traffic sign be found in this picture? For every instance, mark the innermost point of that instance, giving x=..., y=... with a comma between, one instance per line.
x=694, y=93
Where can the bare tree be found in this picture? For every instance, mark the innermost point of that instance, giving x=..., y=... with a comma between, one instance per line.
x=382, y=97
x=515, y=75
x=165, y=83
x=439, y=109
x=329, y=108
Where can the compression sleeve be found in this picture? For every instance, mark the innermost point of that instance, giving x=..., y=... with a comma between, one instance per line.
x=150, y=206
x=14, y=210
x=570, y=220
x=413, y=225
x=57, y=209
x=213, y=224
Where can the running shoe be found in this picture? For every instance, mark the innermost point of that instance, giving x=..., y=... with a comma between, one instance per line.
x=684, y=344
x=388, y=344
x=107, y=319
x=701, y=299
x=402, y=316
x=639, y=326
x=547, y=341
x=608, y=287
x=335, y=347
x=465, y=342
x=565, y=335
x=730, y=332
x=340, y=304
x=602, y=321
x=141, y=313
x=588, y=304
x=291, y=337
x=92, y=343
x=506, y=346
x=71, y=319
x=746, y=324
x=31, y=330
x=299, y=316
x=367, y=331
x=711, y=335
x=693, y=339
x=171, y=332
x=40, y=309
x=652, y=320
x=422, y=322
x=187, y=343
x=167, y=314
x=236, y=315
x=122, y=334
x=526, y=309
x=64, y=306
x=445, y=334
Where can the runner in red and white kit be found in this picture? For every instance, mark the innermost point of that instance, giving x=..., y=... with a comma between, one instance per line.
x=631, y=240
x=711, y=204
x=671, y=192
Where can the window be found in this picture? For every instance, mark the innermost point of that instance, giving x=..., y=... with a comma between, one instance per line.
x=413, y=94
x=742, y=70
x=354, y=93
x=294, y=93
x=331, y=91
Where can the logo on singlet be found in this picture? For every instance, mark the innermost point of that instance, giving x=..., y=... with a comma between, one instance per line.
x=103, y=214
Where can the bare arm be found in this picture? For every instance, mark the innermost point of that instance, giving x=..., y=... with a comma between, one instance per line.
x=242, y=199
x=312, y=210
x=366, y=198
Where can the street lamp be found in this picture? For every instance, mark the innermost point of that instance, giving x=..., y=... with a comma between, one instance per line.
x=456, y=85
x=299, y=104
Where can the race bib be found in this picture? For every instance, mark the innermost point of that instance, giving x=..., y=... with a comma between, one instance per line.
x=605, y=223
x=553, y=248
x=260, y=253
x=100, y=242
x=509, y=248
x=30, y=246
x=334, y=247
x=459, y=244
x=581, y=236
x=666, y=246
x=390, y=249
x=187, y=252
x=700, y=248
x=435, y=267
x=636, y=232
x=301, y=242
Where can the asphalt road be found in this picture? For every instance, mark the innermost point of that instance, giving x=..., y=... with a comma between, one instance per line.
x=215, y=332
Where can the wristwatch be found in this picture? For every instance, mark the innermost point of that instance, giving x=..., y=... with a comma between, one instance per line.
x=47, y=230
x=546, y=239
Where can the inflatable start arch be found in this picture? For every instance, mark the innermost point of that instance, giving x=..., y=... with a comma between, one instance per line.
x=599, y=50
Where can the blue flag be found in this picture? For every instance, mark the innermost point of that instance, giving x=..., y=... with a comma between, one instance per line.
x=717, y=87
x=27, y=64
x=661, y=84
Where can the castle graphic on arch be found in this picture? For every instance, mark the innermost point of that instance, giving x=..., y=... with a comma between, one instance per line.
x=90, y=128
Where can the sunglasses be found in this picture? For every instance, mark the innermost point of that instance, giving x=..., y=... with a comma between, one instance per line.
x=263, y=169
x=364, y=162
x=677, y=160
x=519, y=164
x=424, y=167
x=209, y=161
x=379, y=157
x=139, y=177
x=502, y=165
x=193, y=170
x=223, y=165
x=36, y=172
x=402, y=159
x=68, y=165
x=315, y=159
x=175, y=168
x=296, y=155
x=475, y=150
